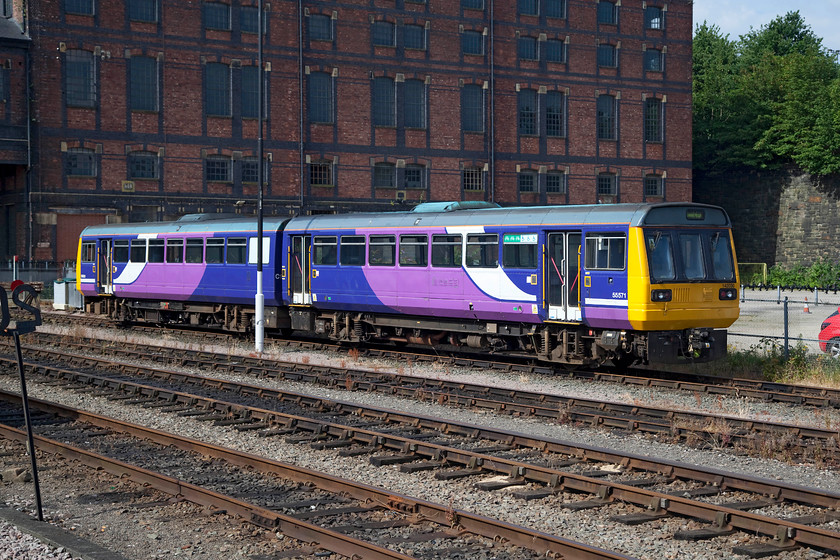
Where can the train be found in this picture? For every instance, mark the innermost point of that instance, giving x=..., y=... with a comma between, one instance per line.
x=577, y=285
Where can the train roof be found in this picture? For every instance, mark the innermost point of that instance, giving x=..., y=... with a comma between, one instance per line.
x=191, y=223
x=453, y=214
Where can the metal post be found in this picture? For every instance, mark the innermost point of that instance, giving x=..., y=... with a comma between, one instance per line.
x=259, y=302
x=787, y=338
x=816, y=296
x=27, y=418
x=743, y=293
x=778, y=294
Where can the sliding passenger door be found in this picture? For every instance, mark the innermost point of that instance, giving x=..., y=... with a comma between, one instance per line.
x=105, y=268
x=562, y=276
x=299, y=270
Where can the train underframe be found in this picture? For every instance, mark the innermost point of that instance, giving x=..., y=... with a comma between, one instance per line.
x=573, y=344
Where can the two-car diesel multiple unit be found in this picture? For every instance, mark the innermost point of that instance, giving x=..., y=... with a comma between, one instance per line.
x=566, y=284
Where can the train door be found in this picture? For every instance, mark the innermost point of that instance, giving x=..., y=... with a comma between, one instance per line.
x=299, y=267
x=562, y=276
x=105, y=267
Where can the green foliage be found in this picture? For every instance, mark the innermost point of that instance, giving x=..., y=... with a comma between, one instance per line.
x=821, y=274
x=767, y=100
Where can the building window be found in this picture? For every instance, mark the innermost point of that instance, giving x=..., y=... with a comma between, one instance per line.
x=555, y=50
x=383, y=102
x=472, y=4
x=606, y=117
x=472, y=108
x=248, y=16
x=472, y=179
x=320, y=98
x=527, y=181
x=472, y=42
x=414, y=175
x=143, y=10
x=527, y=107
x=320, y=174
x=79, y=83
x=607, y=12
x=653, y=120
x=415, y=104
x=250, y=92
x=80, y=162
x=143, y=83
x=251, y=170
x=607, y=184
x=653, y=185
x=217, y=16
x=143, y=165
x=217, y=89
x=529, y=7
x=653, y=18
x=384, y=175
x=383, y=34
x=555, y=122
x=555, y=182
x=527, y=48
x=83, y=7
x=415, y=37
x=555, y=8
x=653, y=60
x=607, y=56
x=320, y=28
x=218, y=169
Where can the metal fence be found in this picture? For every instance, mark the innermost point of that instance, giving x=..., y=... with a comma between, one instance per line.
x=785, y=317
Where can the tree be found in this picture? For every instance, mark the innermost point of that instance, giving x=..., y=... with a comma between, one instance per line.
x=767, y=100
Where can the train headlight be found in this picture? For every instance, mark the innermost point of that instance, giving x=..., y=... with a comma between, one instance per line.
x=727, y=294
x=660, y=296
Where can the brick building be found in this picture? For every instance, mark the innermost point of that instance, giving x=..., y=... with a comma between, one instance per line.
x=147, y=109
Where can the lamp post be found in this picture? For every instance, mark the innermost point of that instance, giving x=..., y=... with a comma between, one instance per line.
x=259, y=301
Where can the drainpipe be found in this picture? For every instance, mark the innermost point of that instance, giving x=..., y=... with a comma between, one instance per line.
x=492, y=106
x=300, y=100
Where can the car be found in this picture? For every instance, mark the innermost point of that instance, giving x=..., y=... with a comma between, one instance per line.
x=830, y=334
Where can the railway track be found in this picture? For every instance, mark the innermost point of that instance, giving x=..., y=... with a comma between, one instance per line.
x=538, y=468
x=766, y=391
x=344, y=517
x=749, y=435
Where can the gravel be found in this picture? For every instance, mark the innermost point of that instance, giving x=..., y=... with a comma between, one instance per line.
x=591, y=526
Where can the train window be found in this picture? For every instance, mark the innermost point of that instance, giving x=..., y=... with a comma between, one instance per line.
x=660, y=257
x=722, y=257
x=605, y=251
x=195, y=250
x=138, y=251
x=352, y=250
x=414, y=250
x=483, y=250
x=325, y=250
x=155, y=250
x=236, y=250
x=88, y=251
x=120, y=251
x=382, y=250
x=691, y=249
x=519, y=250
x=174, y=250
x=446, y=251
x=215, y=251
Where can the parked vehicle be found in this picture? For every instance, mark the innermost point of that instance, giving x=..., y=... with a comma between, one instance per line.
x=830, y=334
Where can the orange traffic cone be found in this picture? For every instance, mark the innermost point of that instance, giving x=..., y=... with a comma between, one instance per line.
x=807, y=309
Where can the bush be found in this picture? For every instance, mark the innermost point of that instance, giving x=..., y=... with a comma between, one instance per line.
x=821, y=274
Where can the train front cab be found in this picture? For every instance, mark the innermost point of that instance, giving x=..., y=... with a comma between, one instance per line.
x=683, y=283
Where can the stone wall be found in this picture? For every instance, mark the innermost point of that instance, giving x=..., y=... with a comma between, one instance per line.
x=785, y=217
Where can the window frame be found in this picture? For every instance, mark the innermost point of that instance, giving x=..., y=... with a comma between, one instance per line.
x=553, y=46
x=527, y=48
x=352, y=250
x=417, y=31
x=470, y=109
x=80, y=79
x=384, y=102
x=472, y=38
x=471, y=176
x=653, y=60
x=485, y=246
x=606, y=117
x=418, y=181
x=377, y=243
x=527, y=181
x=157, y=251
x=214, y=250
x=144, y=89
x=652, y=22
x=414, y=250
x=319, y=31
x=514, y=246
x=607, y=12
x=174, y=250
x=450, y=250
x=194, y=250
x=555, y=114
x=607, y=55
x=120, y=252
x=325, y=250
x=143, y=166
x=561, y=187
x=138, y=10
x=79, y=7
x=380, y=175
x=237, y=250
x=216, y=16
x=528, y=7
x=654, y=185
x=75, y=166
x=414, y=104
x=607, y=184
x=320, y=98
x=217, y=90
x=527, y=110
x=615, y=241
x=654, y=129
x=378, y=31
x=559, y=13
x=249, y=76
x=218, y=169
x=316, y=170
